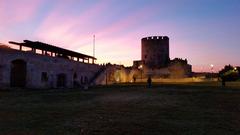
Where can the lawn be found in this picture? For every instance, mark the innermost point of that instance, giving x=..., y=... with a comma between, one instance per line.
x=169, y=109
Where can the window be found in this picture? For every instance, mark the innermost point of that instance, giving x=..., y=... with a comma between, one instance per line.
x=75, y=76
x=44, y=77
x=85, y=80
x=82, y=80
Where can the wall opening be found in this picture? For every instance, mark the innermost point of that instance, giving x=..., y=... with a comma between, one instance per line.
x=61, y=80
x=44, y=77
x=85, y=80
x=82, y=82
x=75, y=76
x=18, y=73
x=75, y=80
x=1, y=73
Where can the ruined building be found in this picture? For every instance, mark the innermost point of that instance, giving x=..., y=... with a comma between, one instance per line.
x=40, y=65
x=155, y=52
x=156, y=61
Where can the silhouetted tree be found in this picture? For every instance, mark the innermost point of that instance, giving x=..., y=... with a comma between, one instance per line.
x=229, y=73
x=238, y=69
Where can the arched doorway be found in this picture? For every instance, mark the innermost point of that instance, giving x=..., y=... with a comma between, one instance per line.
x=61, y=80
x=18, y=73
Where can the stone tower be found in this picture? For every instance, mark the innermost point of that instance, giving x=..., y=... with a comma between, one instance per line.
x=155, y=51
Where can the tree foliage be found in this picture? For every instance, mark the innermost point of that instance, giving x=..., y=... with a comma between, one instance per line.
x=230, y=73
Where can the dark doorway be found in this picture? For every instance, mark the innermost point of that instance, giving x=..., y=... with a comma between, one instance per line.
x=18, y=73
x=61, y=80
x=75, y=80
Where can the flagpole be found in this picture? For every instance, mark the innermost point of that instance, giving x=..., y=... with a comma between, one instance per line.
x=93, y=45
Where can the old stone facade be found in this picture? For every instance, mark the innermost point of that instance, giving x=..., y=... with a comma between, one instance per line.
x=31, y=70
x=155, y=51
x=155, y=60
x=56, y=67
x=179, y=68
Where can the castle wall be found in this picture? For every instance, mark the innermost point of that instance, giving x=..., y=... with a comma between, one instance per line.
x=155, y=51
x=179, y=70
x=117, y=74
x=45, y=71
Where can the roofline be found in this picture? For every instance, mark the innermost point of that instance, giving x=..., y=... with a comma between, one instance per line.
x=51, y=48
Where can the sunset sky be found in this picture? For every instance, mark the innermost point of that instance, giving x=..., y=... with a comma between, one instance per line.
x=203, y=31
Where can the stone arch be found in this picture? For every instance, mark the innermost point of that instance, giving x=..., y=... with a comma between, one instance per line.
x=18, y=73
x=61, y=80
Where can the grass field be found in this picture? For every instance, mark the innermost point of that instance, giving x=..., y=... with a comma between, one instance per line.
x=169, y=109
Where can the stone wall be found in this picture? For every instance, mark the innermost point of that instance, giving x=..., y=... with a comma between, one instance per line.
x=179, y=70
x=43, y=71
x=155, y=51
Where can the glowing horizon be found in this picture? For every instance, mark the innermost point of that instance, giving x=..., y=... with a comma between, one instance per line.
x=205, y=32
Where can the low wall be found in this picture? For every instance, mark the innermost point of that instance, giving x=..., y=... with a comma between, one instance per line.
x=182, y=80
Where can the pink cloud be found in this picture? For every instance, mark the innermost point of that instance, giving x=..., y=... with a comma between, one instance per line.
x=109, y=46
x=126, y=23
x=14, y=12
x=58, y=28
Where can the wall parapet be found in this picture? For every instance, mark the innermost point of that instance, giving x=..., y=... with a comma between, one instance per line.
x=155, y=38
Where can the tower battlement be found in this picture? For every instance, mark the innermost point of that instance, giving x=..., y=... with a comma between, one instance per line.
x=155, y=38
